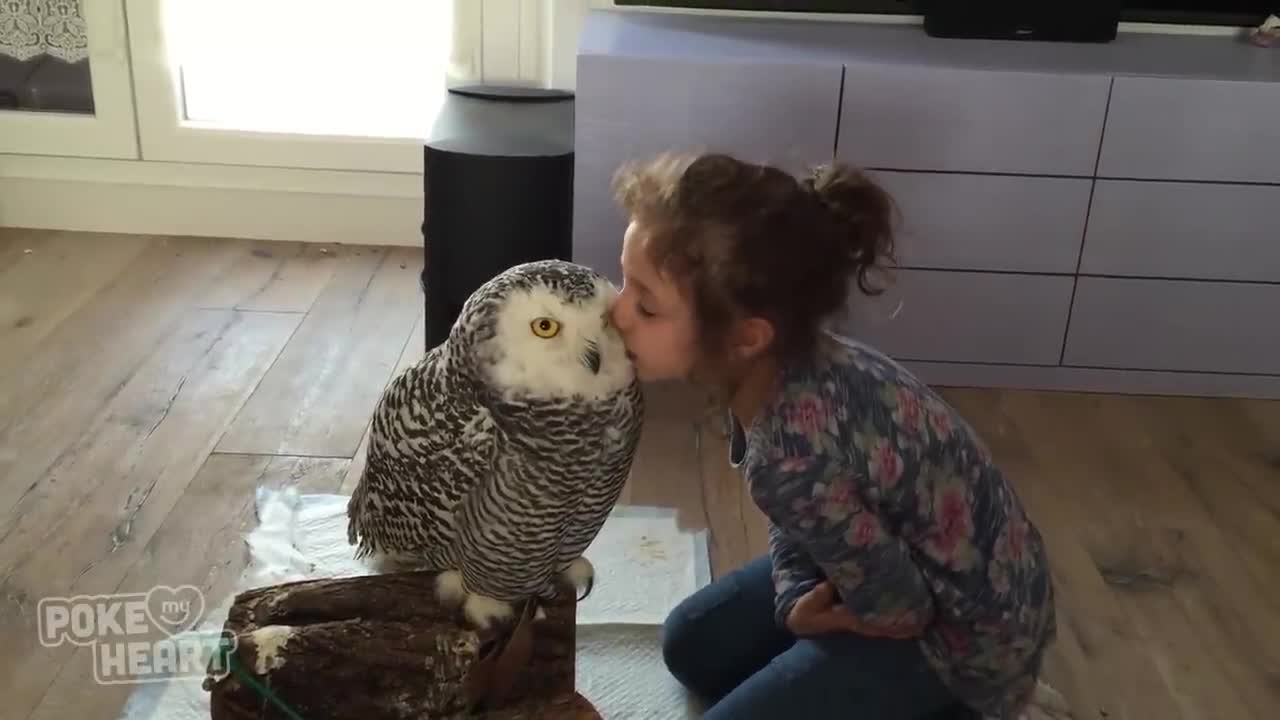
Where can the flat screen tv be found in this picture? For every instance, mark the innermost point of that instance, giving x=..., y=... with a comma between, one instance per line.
x=1245, y=13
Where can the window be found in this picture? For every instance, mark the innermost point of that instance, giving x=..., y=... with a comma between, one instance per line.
x=370, y=68
x=308, y=84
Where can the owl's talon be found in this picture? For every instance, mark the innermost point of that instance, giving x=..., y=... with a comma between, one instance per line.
x=582, y=574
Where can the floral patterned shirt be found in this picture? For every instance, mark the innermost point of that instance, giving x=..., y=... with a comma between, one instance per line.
x=870, y=480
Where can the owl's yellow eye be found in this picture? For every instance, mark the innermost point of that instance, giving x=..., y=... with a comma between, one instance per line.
x=545, y=327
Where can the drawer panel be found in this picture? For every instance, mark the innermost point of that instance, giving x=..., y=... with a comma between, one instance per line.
x=1178, y=129
x=989, y=222
x=1175, y=325
x=966, y=317
x=928, y=118
x=1184, y=230
x=780, y=113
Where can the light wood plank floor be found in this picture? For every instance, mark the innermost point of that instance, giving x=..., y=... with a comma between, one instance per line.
x=148, y=384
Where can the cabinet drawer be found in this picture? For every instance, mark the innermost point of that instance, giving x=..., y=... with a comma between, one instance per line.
x=1175, y=325
x=625, y=108
x=1184, y=230
x=989, y=222
x=966, y=317
x=926, y=118
x=1193, y=130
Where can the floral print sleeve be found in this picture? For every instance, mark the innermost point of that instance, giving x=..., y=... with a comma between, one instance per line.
x=794, y=573
x=871, y=480
x=870, y=567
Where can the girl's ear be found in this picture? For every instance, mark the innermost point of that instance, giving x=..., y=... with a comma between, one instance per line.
x=750, y=338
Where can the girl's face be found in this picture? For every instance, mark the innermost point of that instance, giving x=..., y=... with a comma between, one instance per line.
x=656, y=322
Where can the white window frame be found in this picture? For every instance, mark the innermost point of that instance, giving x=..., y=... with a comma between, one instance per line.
x=107, y=133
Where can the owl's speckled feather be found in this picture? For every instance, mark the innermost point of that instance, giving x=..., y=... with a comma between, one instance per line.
x=500, y=454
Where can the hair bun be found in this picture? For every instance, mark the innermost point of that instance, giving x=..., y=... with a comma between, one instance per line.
x=861, y=213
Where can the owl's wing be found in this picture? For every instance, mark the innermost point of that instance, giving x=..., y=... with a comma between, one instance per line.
x=429, y=445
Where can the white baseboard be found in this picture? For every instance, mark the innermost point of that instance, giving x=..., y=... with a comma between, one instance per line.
x=148, y=198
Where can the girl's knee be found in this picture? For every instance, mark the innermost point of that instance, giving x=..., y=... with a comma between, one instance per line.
x=732, y=616
x=681, y=645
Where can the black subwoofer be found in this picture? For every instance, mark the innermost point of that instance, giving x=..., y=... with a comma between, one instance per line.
x=498, y=188
x=1046, y=20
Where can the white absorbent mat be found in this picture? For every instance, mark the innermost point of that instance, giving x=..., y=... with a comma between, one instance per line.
x=644, y=565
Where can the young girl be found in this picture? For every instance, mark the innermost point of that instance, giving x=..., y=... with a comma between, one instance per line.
x=903, y=578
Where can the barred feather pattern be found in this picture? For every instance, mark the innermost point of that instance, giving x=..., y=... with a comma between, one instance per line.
x=430, y=442
x=508, y=487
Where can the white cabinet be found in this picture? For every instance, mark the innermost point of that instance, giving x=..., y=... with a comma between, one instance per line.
x=914, y=117
x=970, y=317
x=962, y=221
x=1183, y=230
x=67, y=91
x=1074, y=216
x=1164, y=128
x=1182, y=325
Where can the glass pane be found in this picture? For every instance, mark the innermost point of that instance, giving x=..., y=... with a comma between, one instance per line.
x=44, y=57
x=368, y=68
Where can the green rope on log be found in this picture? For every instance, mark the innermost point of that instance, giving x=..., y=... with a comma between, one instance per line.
x=226, y=651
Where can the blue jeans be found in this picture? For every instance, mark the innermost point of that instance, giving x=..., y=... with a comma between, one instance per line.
x=723, y=645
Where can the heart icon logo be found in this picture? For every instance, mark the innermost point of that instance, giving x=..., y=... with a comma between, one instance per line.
x=175, y=610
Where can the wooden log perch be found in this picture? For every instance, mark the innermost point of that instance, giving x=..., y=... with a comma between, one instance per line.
x=380, y=647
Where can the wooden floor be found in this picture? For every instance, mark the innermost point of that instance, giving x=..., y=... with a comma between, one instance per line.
x=148, y=385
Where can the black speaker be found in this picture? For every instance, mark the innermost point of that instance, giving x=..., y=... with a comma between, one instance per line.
x=498, y=185
x=1094, y=21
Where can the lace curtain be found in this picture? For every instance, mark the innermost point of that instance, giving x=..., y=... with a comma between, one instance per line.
x=29, y=28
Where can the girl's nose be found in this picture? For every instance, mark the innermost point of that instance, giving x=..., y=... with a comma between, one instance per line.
x=613, y=315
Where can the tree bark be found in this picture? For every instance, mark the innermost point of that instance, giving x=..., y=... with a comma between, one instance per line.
x=380, y=647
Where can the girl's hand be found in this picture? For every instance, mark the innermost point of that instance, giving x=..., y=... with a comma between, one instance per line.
x=818, y=611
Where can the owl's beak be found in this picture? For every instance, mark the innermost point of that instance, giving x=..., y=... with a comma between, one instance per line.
x=591, y=358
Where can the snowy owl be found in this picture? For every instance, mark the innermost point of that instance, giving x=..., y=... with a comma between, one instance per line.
x=496, y=459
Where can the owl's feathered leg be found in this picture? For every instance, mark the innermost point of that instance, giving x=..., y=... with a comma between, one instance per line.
x=392, y=562
x=449, y=588
x=484, y=611
x=480, y=610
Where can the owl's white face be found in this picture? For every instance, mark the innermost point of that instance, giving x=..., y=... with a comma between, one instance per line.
x=545, y=347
